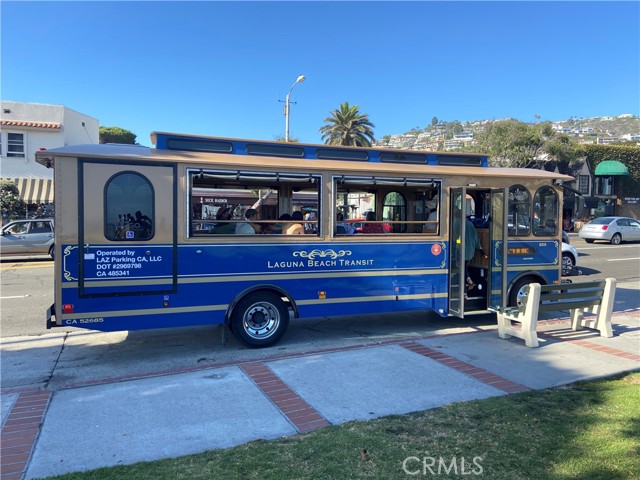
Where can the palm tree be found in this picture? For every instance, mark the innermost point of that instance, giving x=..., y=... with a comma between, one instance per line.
x=347, y=126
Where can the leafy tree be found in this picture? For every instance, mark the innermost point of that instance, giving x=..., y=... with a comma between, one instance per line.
x=347, y=126
x=11, y=205
x=434, y=121
x=517, y=144
x=117, y=135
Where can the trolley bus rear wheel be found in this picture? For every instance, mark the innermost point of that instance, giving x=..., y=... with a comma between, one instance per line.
x=260, y=319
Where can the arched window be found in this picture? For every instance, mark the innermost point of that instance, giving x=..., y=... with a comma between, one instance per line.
x=519, y=220
x=394, y=209
x=545, y=212
x=128, y=207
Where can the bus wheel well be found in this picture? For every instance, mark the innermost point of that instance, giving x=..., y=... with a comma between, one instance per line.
x=286, y=298
x=260, y=318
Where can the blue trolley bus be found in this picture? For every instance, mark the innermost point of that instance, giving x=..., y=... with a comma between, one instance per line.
x=206, y=230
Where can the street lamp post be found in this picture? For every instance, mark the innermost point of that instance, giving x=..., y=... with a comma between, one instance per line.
x=300, y=79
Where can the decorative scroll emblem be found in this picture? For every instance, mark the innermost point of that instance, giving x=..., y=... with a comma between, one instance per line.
x=67, y=251
x=329, y=253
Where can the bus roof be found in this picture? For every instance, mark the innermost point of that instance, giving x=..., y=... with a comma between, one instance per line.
x=432, y=163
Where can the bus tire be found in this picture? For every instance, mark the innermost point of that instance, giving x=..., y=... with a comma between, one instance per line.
x=260, y=319
x=518, y=291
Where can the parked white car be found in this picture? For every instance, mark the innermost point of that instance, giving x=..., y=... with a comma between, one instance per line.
x=611, y=229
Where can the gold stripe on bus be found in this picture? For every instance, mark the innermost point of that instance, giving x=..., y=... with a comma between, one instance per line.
x=146, y=311
x=305, y=276
x=378, y=298
x=521, y=268
x=257, y=277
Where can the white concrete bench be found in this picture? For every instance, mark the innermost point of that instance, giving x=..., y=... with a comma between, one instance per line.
x=594, y=297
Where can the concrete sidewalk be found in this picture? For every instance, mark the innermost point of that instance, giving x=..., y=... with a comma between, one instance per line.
x=172, y=413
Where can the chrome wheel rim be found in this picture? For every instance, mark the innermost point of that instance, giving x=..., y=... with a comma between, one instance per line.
x=261, y=320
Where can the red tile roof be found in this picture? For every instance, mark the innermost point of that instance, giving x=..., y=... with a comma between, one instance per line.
x=25, y=123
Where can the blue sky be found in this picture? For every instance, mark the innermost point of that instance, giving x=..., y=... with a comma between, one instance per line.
x=220, y=68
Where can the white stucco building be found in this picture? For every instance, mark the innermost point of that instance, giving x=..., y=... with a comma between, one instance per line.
x=26, y=128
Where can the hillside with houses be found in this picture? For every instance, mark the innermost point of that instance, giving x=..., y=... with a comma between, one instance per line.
x=456, y=135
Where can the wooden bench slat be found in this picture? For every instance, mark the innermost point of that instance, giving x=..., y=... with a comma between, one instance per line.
x=548, y=297
x=572, y=286
x=555, y=306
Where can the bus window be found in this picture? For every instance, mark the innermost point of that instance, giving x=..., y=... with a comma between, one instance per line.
x=545, y=211
x=394, y=211
x=405, y=204
x=128, y=207
x=519, y=219
x=220, y=200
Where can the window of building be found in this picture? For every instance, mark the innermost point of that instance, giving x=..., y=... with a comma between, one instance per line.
x=583, y=184
x=15, y=145
x=519, y=216
x=545, y=212
x=129, y=207
x=604, y=186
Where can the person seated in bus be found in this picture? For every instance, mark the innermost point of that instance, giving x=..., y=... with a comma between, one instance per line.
x=296, y=227
x=223, y=227
x=549, y=227
x=348, y=228
x=279, y=226
x=143, y=222
x=248, y=228
x=372, y=227
x=433, y=216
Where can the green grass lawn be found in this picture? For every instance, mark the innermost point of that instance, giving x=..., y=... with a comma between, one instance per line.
x=589, y=430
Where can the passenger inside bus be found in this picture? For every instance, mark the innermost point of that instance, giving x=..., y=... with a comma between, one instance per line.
x=372, y=227
x=142, y=224
x=281, y=225
x=433, y=216
x=549, y=227
x=342, y=227
x=223, y=226
x=296, y=227
x=248, y=228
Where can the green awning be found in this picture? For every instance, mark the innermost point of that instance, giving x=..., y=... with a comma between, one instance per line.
x=611, y=167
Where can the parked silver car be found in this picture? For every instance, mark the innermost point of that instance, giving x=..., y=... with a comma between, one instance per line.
x=611, y=229
x=27, y=237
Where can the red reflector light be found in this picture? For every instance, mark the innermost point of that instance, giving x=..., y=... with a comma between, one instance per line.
x=604, y=227
x=67, y=308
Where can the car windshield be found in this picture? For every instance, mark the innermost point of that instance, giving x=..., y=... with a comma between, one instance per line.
x=602, y=221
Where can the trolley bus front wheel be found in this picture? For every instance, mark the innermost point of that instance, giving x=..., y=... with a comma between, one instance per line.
x=260, y=319
x=517, y=295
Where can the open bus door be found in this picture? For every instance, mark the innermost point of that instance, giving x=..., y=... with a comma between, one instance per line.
x=498, y=254
x=457, y=282
x=127, y=228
